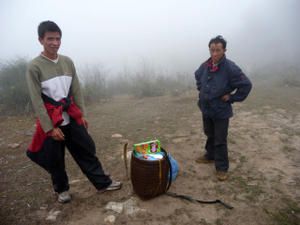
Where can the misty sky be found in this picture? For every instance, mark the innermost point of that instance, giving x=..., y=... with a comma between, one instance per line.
x=171, y=35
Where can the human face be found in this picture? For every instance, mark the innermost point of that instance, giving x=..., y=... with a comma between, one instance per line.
x=216, y=52
x=51, y=42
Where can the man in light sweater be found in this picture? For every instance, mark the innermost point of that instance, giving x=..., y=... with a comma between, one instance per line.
x=57, y=100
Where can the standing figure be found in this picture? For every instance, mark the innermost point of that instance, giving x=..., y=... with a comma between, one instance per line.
x=58, y=103
x=220, y=83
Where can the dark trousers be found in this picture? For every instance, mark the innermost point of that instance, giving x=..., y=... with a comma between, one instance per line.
x=82, y=148
x=216, y=131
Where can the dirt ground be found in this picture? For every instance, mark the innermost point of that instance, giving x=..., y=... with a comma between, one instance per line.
x=263, y=187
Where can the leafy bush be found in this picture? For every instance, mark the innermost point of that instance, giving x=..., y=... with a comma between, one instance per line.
x=14, y=96
x=145, y=82
x=94, y=84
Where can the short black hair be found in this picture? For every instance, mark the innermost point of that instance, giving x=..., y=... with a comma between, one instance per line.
x=47, y=26
x=218, y=39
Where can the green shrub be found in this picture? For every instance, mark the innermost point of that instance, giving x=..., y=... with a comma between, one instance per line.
x=14, y=96
x=97, y=86
x=94, y=83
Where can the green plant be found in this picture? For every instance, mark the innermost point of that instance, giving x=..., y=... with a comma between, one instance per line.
x=94, y=83
x=289, y=215
x=14, y=96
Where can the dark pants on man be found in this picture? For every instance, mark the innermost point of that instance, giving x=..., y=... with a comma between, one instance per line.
x=82, y=148
x=216, y=131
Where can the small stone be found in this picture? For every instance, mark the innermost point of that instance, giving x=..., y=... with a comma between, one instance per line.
x=117, y=136
x=110, y=219
x=74, y=181
x=44, y=207
x=115, y=206
x=179, y=140
x=53, y=215
x=13, y=145
x=28, y=133
x=130, y=207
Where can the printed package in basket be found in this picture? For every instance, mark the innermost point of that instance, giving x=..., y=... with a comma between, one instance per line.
x=148, y=147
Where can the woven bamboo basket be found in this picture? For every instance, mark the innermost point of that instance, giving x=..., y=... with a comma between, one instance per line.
x=149, y=178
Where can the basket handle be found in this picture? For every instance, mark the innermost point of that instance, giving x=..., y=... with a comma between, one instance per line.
x=125, y=159
x=170, y=167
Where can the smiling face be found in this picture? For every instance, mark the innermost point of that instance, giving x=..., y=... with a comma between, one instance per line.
x=51, y=42
x=217, y=52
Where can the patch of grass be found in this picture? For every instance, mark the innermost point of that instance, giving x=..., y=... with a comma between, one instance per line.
x=203, y=222
x=289, y=215
x=267, y=95
x=290, y=132
x=231, y=140
x=219, y=222
x=297, y=132
x=288, y=149
x=252, y=191
x=243, y=159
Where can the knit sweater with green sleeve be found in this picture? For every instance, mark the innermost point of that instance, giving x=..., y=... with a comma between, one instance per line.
x=54, y=79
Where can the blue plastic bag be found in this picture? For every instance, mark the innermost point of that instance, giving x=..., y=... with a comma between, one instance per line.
x=175, y=167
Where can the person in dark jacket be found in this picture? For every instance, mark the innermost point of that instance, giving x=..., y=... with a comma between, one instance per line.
x=220, y=83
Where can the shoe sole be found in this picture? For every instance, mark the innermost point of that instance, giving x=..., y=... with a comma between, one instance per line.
x=204, y=162
x=222, y=179
x=109, y=189
x=63, y=202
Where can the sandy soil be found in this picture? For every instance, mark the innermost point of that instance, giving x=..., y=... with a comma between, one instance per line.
x=263, y=186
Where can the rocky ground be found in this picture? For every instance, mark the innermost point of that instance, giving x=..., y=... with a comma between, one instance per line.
x=263, y=187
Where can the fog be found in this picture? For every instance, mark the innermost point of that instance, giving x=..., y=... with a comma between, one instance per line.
x=169, y=35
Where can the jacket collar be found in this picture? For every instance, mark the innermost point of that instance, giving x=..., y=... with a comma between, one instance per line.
x=214, y=67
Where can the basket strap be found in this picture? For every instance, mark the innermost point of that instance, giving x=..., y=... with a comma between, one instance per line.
x=125, y=159
x=170, y=168
x=191, y=199
x=159, y=176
